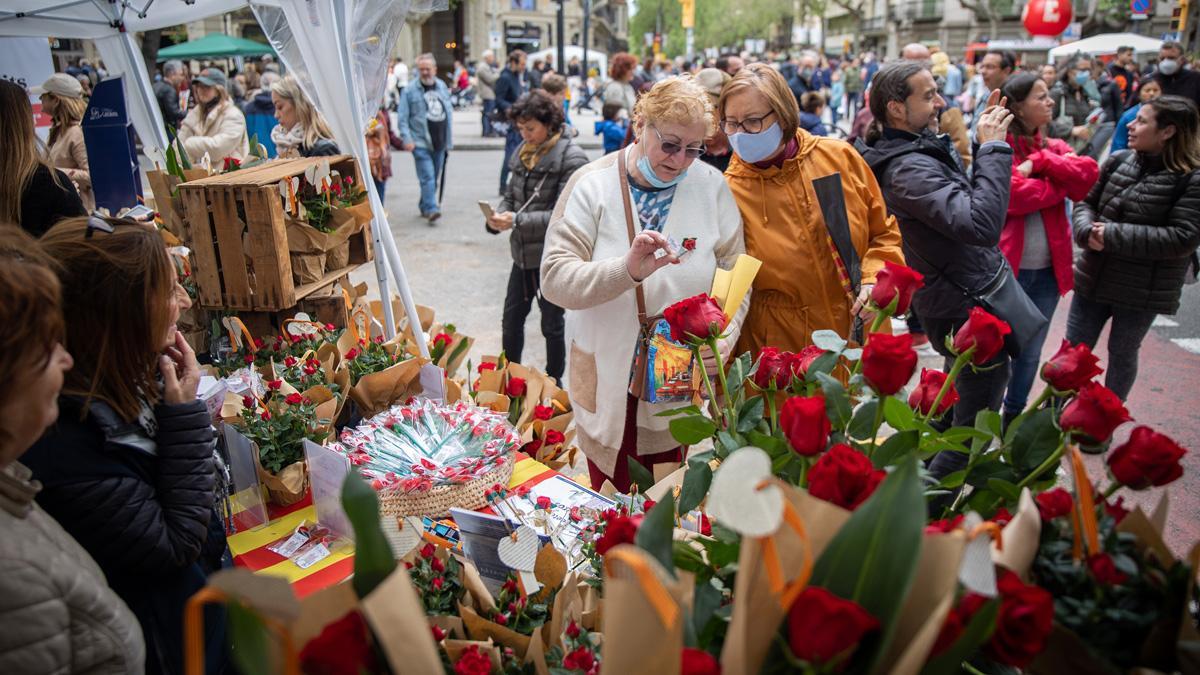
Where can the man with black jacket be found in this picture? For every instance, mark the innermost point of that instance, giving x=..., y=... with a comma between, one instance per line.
x=951, y=222
x=509, y=88
x=166, y=91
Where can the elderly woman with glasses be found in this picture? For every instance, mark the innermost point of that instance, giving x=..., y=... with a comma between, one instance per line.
x=808, y=280
x=615, y=248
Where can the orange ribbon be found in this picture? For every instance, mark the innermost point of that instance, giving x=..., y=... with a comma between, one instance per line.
x=357, y=316
x=1084, y=518
x=992, y=530
x=652, y=587
x=193, y=633
x=786, y=591
x=245, y=331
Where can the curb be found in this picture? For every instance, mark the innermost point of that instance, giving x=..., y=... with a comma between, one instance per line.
x=481, y=145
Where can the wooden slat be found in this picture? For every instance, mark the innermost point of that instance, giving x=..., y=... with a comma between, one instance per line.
x=198, y=234
x=230, y=248
x=267, y=240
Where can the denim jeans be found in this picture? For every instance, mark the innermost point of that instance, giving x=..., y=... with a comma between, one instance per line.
x=488, y=106
x=381, y=188
x=522, y=290
x=1129, y=327
x=511, y=142
x=1042, y=288
x=429, y=170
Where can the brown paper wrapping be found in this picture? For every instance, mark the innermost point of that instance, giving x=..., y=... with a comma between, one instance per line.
x=479, y=628
x=568, y=607
x=636, y=640
x=288, y=486
x=477, y=591
x=1021, y=537
x=452, y=625
x=928, y=602
x=309, y=246
x=377, y=392
x=398, y=621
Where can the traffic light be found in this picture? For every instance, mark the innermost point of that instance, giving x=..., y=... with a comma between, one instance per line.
x=688, y=11
x=1179, y=17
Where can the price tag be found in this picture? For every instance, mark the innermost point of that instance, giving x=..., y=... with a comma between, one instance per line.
x=290, y=545
x=311, y=557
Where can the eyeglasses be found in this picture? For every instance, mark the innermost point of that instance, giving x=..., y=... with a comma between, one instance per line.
x=97, y=222
x=673, y=148
x=751, y=125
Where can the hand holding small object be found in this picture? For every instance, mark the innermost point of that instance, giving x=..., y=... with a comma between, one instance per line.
x=180, y=372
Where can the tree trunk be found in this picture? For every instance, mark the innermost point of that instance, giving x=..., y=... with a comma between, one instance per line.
x=150, y=41
x=993, y=27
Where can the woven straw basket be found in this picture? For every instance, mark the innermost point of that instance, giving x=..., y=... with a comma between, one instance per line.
x=437, y=502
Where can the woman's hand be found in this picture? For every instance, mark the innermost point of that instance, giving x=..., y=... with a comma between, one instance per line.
x=860, y=304
x=1082, y=132
x=501, y=221
x=641, y=261
x=1025, y=168
x=1096, y=237
x=180, y=372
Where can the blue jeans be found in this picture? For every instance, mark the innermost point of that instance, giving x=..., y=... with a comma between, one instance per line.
x=381, y=188
x=1042, y=288
x=488, y=106
x=1086, y=320
x=511, y=142
x=429, y=170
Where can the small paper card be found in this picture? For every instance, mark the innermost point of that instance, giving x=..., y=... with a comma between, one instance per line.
x=311, y=557
x=433, y=382
x=327, y=471
x=481, y=534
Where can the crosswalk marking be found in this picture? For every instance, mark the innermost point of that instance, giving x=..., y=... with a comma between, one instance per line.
x=1163, y=322
x=1190, y=344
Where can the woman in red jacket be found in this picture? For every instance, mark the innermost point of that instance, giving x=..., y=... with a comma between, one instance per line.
x=1037, y=234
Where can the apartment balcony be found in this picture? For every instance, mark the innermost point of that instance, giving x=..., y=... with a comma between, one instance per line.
x=921, y=11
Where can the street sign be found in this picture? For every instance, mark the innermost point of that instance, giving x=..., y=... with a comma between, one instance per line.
x=1139, y=7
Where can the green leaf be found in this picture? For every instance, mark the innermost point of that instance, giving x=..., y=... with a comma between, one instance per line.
x=977, y=632
x=705, y=602
x=639, y=474
x=751, y=414
x=896, y=447
x=774, y=446
x=852, y=354
x=837, y=403
x=824, y=363
x=828, y=340
x=897, y=414
x=983, y=472
x=655, y=534
x=862, y=426
x=873, y=558
x=739, y=370
x=696, y=481
x=1005, y=489
x=254, y=642
x=953, y=480
x=692, y=429
x=373, y=559
x=686, y=410
x=1035, y=440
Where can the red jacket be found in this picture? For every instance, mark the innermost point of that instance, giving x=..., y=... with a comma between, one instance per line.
x=1057, y=175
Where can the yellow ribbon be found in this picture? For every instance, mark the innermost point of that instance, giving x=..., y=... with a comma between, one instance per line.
x=652, y=587
x=786, y=591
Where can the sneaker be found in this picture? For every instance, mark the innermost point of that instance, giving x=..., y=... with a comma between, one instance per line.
x=433, y=216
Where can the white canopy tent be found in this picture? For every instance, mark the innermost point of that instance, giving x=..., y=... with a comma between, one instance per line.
x=573, y=51
x=338, y=49
x=1099, y=45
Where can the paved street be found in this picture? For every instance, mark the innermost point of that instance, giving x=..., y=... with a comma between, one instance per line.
x=462, y=271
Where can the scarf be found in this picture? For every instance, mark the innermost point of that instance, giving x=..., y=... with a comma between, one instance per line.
x=531, y=154
x=287, y=142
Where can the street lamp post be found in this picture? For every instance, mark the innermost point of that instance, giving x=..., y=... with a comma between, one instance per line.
x=561, y=28
x=587, y=20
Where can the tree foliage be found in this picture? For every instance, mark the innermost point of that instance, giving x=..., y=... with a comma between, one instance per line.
x=719, y=23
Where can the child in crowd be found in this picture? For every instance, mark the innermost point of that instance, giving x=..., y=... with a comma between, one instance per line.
x=812, y=105
x=612, y=127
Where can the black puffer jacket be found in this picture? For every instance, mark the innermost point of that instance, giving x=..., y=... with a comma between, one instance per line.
x=141, y=507
x=1151, y=222
x=951, y=222
x=540, y=187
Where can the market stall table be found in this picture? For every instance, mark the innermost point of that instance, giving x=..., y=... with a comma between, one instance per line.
x=250, y=550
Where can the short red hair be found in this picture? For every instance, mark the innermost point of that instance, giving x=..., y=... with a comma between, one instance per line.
x=622, y=65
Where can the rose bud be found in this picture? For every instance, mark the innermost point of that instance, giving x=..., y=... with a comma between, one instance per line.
x=805, y=424
x=1147, y=459
x=888, y=362
x=696, y=318
x=844, y=476
x=773, y=368
x=1095, y=412
x=1054, y=503
x=982, y=331
x=822, y=627
x=923, y=395
x=896, y=283
x=1071, y=367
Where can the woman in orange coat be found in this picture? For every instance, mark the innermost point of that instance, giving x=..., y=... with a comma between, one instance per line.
x=802, y=286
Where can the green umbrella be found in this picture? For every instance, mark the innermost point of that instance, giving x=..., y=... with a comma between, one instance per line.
x=214, y=44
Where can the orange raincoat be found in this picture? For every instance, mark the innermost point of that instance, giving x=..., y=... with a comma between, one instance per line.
x=799, y=288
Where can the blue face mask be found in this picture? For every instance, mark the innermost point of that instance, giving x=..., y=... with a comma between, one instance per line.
x=1082, y=77
x=756, y=147
x=643, y=165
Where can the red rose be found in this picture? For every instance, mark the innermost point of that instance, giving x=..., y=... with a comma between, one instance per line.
x=982, y=331
x=1054, y=503
x=943, y=526
x=289, y=361
x=698, y=662
x=329, y=328
x=543, y=412
x=500, y=619
x=516, y=387
x=844, y=476
x=248, y=402
x=437, y=565
x=952, y=629
x=699, y=317
x=274, y=385
x=888, y=362
x=773, y=368
x=823, y=628
x=438, y=633
x=647, y=505
x=620, y=530
x=486, y=365
x=248, y=359
x=688, y=244
x=294, y=399
x=258, y=343
x=1105, y=571
x=925, y=393
x=705, y=525
x=1001, y=517
x=1147, y=459
x=572, y=630
x=352, y=354
x=266, y=415
x=342, y=648
x=554, y=437
x=803, y=360
x=1023, y=624
x=544, y=502
x=472, y=662
x=1116, y=510
x=442, y=339
x=1094, y=412
x=1071, y=367
x=427, y=551
x=310, y=370
x=896, y=282
x=805, y=424
x=580, y=659
x=437, y=583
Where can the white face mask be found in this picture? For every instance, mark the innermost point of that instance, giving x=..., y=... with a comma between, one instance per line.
x=1168, y=66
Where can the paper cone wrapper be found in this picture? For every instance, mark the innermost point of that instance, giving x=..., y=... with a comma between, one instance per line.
x=645, y=611
x=377, y=392
x=288, y=486
x=452, y=625
x=398, y=620
x=479, y=628
x=929, y=600
x=1021, y=537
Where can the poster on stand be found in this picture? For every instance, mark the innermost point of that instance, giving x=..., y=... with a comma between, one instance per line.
x=26, y=62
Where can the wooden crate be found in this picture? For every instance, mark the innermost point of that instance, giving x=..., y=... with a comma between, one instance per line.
x=234, y=224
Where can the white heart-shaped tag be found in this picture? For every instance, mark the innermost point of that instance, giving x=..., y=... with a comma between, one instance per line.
x=310, y=174
x=529, y=582
x=977, y=572
x=735, y=500
x=520, y=553
x=231, y=324
x=323, y=170
x=403, y=534
x=302, y=326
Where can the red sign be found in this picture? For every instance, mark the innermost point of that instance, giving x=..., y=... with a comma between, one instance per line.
x=1047, y=17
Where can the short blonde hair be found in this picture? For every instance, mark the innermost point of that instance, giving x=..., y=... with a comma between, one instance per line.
x=770, y=84
x=311, y=120
x=676, y=100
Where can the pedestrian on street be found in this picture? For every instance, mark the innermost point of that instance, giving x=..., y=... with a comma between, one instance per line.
x=1174, y=75
x=717, y=152
x=852, y=79
x=380, y=141
x=425, y=124
x=1072, y=105
x=166, y=91
x=33, y=194
x=801, y=287
x=1037, y=234
x=1150, y=90
x=951, y=221
x=486, y=75
x=620, y=76
x=995, y=67
x=62, y=100
x=509, y=87
x=539, y=172
x=1138, y=230
x=260, y=113
x=1123, y=71
x=302, y=130
x=215, y=127
x=601, y=264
